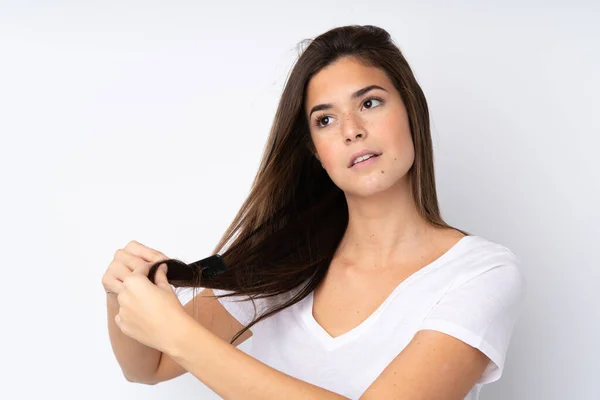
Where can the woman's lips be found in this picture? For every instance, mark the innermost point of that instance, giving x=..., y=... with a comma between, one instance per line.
x=365, y=163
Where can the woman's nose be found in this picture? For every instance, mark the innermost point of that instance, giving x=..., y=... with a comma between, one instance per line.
x=352, y=128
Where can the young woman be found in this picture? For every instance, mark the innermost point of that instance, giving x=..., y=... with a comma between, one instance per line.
x=350, y=281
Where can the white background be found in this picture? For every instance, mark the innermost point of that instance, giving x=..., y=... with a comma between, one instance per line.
x=147, y=120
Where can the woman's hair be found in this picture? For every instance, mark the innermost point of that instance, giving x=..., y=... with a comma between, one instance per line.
x=288, y=229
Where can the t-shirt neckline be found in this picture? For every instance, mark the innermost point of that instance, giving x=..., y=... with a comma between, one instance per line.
x=331, y=343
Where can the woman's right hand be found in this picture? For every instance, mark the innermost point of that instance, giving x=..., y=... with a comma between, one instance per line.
x=133, y=257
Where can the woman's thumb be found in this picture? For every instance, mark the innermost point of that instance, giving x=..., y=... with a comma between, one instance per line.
x=161, y=276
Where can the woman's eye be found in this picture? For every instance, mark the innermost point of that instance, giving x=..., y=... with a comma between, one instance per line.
x=370, y=100
x=322, y=118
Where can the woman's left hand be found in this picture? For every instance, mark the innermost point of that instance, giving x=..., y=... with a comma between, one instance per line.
x=151, y=314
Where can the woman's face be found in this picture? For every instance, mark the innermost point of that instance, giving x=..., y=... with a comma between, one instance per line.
x=376, y=119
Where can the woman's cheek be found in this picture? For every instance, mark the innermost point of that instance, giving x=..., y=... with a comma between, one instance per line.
x=327, y=158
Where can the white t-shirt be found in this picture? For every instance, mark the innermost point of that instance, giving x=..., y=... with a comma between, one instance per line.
x=473, y=292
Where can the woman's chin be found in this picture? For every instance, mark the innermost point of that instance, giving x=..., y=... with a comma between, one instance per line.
x=367, y=188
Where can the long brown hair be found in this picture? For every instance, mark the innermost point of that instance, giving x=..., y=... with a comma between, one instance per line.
x=290, y=225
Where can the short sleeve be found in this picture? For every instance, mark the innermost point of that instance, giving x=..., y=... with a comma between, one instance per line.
x=240, y=307
x=482, y=312
x=242, y=311
x=185, y=294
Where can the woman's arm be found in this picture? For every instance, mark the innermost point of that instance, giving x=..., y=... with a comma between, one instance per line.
x=233, y=374
x=137, y=360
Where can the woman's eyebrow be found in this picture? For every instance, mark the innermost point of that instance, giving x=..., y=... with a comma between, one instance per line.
x=354, y=95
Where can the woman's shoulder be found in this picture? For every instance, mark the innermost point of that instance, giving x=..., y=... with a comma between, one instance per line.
x=475, y=243
x=480, y=256
x=482, y=246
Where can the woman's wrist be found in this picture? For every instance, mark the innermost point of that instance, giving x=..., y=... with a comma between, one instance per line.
x=111, y=296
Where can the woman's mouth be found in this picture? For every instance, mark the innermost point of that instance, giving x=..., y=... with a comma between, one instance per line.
x=363, y=164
